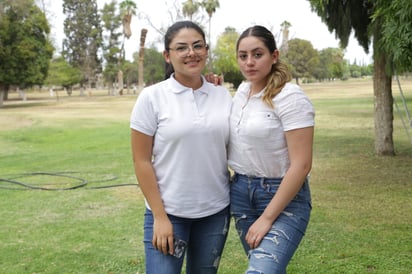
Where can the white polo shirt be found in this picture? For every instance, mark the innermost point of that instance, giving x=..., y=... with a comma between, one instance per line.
x=191, y=134
x=257, y=140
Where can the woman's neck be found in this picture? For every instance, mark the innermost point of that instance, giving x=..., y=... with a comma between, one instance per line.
x=255, y=88
x=193, y=82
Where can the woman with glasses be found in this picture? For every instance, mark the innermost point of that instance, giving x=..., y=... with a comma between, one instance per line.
x=179, y=135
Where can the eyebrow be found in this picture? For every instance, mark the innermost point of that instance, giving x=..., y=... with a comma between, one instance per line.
x=195, y=42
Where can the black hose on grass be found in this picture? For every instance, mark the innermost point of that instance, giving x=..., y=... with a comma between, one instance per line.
x=82, y=183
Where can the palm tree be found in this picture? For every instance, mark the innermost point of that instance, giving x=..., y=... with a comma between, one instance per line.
x=141, y=57
x=210, y=6
x=285, y=37
x=127, y=10
x=190, y=8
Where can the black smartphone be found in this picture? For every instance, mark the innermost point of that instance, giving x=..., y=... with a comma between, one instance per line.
x=179, y=247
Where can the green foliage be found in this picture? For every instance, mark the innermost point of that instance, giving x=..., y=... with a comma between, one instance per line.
x=25, y=49
x=225, y=57
x=62, y=74
x=128, y=7
x=357, y=71
x=112, y=44
x=210, y=6
x=190, y=8
x=345, y=16
x=154, y=66
x=332, y=64
x=302, y=58
x=388, y=21
x=397, y=32
x=83, y=37
x=130, y=72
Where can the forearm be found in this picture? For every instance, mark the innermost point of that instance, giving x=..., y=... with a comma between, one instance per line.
x=300, y=154
x=289, y=187
x=148, y=184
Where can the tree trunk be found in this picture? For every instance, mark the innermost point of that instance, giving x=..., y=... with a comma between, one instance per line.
x=119, y=82
x=285, y=40
x=143, y=34
x=127, y=31
x=2, y=92
x=382, y=89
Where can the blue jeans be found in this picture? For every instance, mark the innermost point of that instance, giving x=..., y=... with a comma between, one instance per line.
x=205, y=239
x=249, y=197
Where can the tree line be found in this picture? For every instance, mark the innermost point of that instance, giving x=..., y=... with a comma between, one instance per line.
x=93, y=48
x=304, y=61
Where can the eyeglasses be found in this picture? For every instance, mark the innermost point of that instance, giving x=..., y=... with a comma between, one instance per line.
x=183, y=50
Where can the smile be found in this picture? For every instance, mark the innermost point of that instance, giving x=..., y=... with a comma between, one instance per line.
x=191, y=62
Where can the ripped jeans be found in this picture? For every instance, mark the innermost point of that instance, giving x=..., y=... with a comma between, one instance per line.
x=205, y=238
x=249, y=197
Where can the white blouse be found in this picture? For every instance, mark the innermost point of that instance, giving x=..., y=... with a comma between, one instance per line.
x=191, y=134
x=257, y=141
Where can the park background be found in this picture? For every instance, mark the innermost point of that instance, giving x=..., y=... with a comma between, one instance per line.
x=70, y=203
x=69, y=199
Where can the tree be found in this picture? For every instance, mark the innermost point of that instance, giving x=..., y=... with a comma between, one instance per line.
x=210, y=7
x=387, y=25
x=397, y=32
x=225, y=55
x=190, y=8
x=127, y=10
x=130, y=74
x=285, y=37
x=25, y=49
x=141, y=57
x=302, y=58
x=332, y=64
x=83, y=38
x=153, y=64
x=63, y=74
x=111, y=48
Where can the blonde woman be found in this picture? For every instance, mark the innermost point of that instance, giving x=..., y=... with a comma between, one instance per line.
x=270, y=151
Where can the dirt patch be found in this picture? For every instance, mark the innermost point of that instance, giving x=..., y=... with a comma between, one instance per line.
x=14, y=122
x=41, y=108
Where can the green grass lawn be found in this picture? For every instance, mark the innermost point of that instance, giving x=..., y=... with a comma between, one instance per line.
x=361, y=220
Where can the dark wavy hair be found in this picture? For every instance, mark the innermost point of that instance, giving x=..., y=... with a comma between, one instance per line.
x=171, y=33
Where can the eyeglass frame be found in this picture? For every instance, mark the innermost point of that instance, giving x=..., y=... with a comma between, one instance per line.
x=183, y=49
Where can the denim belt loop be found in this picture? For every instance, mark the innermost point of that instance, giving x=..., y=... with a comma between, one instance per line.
x=261, y=181
x=264, y=185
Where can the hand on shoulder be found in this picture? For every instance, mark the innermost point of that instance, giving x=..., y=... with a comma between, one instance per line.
x=215, y=79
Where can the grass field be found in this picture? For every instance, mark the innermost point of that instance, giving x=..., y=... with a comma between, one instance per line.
x=69, y=202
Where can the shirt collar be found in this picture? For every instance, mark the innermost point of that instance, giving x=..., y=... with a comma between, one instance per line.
x=245, y=89
x=176, y=87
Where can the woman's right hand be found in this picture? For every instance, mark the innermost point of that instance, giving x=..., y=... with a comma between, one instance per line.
x=163, y=235
x=215, y=79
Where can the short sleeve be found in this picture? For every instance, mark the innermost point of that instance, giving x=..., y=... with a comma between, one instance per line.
x=144, y=117
x=295, y=110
